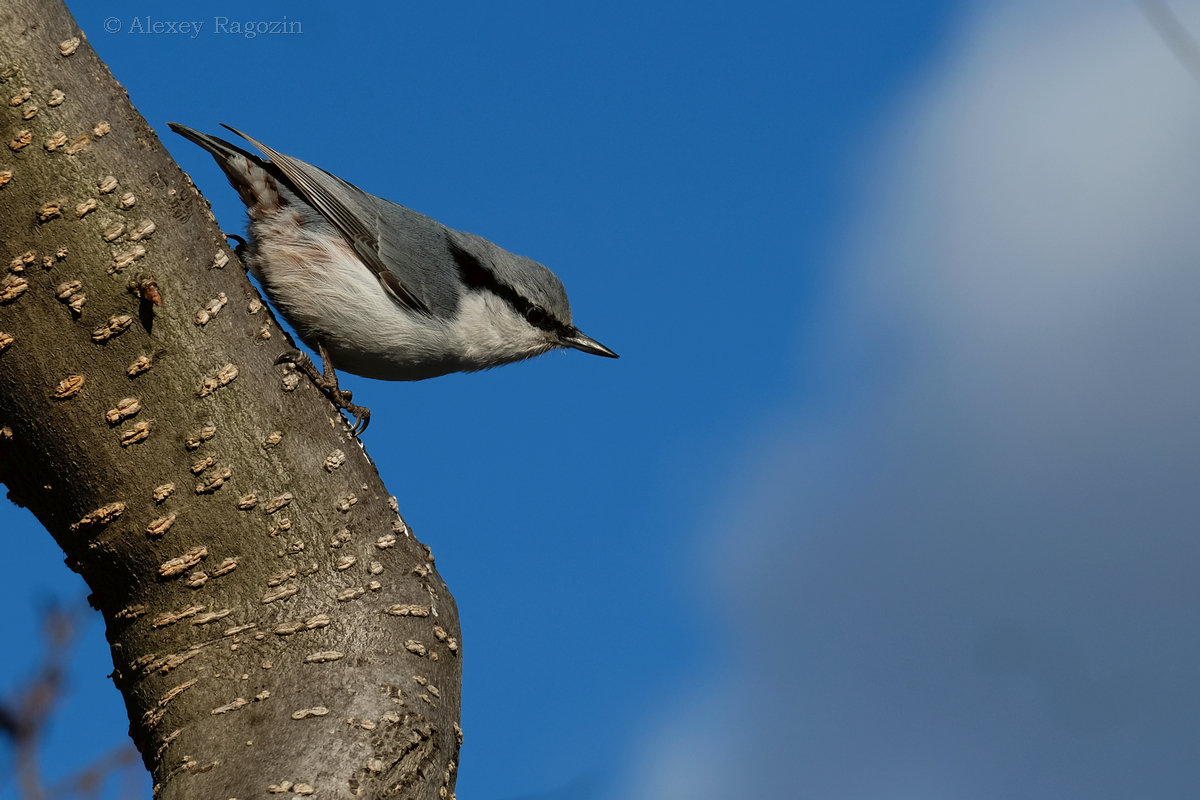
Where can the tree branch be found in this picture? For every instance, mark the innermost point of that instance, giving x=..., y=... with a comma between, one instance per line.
x=274, y=625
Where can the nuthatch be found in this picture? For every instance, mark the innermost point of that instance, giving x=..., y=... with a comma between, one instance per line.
x=380, y=290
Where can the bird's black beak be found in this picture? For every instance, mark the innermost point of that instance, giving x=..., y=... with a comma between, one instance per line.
x=587, y=344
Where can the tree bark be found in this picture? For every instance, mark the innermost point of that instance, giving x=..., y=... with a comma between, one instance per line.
x=274, y=625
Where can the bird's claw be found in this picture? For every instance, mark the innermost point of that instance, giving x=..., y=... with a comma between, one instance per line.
x=293, y=357
x=241, y=248
x=340, y=398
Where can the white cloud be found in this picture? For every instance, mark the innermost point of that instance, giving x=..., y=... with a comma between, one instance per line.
x=976, y=576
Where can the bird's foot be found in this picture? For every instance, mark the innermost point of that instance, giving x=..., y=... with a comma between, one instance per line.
x=241, y=248
x=328, y=384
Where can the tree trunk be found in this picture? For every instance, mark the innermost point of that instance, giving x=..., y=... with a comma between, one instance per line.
x=274, y=625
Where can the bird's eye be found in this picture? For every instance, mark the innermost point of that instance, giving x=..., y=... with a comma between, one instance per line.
x=535, y=315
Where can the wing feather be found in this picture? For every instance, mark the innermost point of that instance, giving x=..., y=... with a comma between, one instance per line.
x=319, y=192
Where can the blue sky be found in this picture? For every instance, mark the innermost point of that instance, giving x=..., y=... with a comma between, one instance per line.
x=891, y=492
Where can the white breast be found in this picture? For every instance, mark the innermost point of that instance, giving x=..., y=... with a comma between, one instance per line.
x=328, y=295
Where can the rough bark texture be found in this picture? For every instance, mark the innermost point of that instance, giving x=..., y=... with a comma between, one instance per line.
x=274, y=625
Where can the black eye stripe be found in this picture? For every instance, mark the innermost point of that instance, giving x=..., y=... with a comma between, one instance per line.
x=477, y=276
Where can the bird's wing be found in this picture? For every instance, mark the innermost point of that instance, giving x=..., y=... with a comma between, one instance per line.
x=320, y=190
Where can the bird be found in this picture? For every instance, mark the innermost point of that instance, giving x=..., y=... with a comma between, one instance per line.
x=379, y=290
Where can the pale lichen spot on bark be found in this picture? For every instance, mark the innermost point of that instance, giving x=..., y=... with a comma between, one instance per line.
x=442, y=636
x=161, y=525
x=68, y=387
x=23, y=139
x=225, y=567
x=281, y=577
x=171, y=617
x=277, y=503
x=140, y=365
x=212, y=616
x=67, y=288
x=205, y=315
x=288, y=628
x=144, y=229
x=280, y=593
x=131, y=612
x=12, y=287
x=49, y=210
x=166, y=742
x=222, y=377
x=290, y=379
x=408, y=610
x=115, y=326
x=202, y=464
x=101, y=516
x=138, y=433
x=308, y=713
x=125, y=408
x=126, y=257
x=234, y=706
x=78, y=144
x=155, y=715
x=194, y=441
x=214, y=482
x=166, y=664
x=334, y=460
